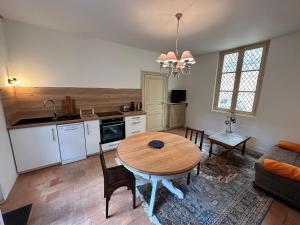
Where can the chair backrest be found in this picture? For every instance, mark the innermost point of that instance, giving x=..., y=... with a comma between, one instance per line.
x=190, y=132
x=103, y=164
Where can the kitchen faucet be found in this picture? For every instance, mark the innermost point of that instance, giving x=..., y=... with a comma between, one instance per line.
x=55, y=114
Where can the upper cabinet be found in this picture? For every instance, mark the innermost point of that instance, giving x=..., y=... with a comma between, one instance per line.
x=35, y=147
x=92, y=136
x=135, y=125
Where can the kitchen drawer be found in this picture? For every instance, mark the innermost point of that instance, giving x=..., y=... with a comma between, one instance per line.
x=135, y=118
x=133, y=132
x=110, y=146
x=135, y=125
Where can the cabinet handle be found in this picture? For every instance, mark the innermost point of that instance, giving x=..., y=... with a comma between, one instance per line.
x=88, y=129
x=136, y=132
x=53, y=135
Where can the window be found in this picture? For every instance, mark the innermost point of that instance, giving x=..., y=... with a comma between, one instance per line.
x=239, y=79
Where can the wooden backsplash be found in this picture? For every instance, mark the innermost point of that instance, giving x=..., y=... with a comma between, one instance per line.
x=27, y=102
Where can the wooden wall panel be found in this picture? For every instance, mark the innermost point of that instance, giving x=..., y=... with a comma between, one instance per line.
x=29, y=100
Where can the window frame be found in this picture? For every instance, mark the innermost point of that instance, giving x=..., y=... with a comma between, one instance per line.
x=241, y=50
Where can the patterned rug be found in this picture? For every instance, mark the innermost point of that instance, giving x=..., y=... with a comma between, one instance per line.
x=223, y=193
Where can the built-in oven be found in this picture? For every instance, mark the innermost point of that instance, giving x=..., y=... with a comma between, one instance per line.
x=112, y=131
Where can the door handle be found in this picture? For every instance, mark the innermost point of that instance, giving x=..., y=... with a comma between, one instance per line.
x=53, y=135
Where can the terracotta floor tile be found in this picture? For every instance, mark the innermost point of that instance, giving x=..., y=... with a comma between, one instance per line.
x=293, y=217
x=277, y=214
x=52, y=196
x=72, y=194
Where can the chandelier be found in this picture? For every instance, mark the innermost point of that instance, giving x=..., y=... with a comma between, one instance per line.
x=171, y=64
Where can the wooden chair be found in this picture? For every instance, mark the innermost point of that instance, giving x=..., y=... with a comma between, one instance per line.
x=114, y=178
x=197, y=133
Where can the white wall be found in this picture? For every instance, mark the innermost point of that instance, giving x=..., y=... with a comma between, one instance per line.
x=44, y=57
x=8, y=173
x=278, y=115
x=3, y=56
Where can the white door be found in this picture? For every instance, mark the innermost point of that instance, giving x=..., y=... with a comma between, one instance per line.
x=154, y=87
x=35, y=147
x=92, y=136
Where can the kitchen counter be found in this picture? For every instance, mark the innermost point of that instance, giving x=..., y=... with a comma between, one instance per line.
x=82, y=119
x=134, y=113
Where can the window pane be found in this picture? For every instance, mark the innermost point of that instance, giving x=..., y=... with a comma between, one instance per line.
x=230, y=62
x=248, y=81
x=245, y=101
x=252, y=59
x=225, y=100
x=227, y=82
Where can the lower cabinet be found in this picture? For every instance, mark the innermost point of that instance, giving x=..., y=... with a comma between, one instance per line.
x=135, y=125
x=176, y=115
x=92, y=136
x=35, y=147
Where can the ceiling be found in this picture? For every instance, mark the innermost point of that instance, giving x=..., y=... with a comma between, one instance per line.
x=206, y=26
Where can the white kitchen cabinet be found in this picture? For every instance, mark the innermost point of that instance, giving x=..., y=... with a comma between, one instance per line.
x=92, y=136
x=135, y=125
x=35, y=147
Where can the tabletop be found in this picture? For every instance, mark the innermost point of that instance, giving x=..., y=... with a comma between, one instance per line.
x=230, y=139
x=178, y=155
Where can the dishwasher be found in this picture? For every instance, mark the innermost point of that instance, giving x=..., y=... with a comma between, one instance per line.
x=71, y=142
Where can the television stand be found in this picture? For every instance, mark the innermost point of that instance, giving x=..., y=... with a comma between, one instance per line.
x=176, y=114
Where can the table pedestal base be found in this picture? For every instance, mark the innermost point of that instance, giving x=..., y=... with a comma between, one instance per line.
x=169, y=185
x=154, y=181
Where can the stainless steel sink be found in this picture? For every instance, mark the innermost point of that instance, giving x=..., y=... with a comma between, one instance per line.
x=45, y=120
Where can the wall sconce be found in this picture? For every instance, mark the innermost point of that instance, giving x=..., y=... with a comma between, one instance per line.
x=14, y=81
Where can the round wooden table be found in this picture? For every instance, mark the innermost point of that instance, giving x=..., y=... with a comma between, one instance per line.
x=177, y=158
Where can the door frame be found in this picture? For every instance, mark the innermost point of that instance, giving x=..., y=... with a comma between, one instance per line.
x=143, y=76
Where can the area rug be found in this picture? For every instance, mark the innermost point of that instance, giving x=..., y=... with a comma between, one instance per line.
x=223, y=193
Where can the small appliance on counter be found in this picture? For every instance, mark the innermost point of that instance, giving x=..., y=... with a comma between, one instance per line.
x=138, y=106
x=132, y=106
x=124, y=108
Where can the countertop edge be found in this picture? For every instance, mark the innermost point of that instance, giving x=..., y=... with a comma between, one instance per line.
x=125, y=114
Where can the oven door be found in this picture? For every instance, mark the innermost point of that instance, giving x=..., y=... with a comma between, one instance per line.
x=111, y=132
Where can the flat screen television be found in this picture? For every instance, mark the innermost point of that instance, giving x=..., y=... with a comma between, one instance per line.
x=178, y=96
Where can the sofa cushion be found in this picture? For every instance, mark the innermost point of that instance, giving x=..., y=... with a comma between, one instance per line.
x=289, y=146
x=282, y=187
x=282, y=169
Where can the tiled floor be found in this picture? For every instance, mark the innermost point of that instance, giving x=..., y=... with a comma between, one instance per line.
x=73, y=194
